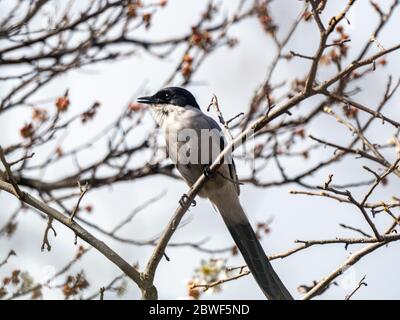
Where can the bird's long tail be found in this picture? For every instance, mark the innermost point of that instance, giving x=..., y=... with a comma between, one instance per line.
x=227, y=202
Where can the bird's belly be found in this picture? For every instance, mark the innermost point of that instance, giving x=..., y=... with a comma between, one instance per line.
x=192, y=172
x=192, y=146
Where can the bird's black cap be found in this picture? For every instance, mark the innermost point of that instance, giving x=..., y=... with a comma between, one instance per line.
x=172, y=95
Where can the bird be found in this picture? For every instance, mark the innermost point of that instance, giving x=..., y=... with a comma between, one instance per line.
x=193, y=142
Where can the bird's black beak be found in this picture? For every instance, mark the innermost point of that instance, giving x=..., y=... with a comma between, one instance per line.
x=146, y=100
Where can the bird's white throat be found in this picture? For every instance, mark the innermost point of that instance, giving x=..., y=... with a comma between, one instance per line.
x=162, y=112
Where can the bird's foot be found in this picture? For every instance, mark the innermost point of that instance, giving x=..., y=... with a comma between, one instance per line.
x=184, y=200
x=208, y=173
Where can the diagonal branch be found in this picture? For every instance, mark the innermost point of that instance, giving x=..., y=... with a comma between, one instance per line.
x=109, y=253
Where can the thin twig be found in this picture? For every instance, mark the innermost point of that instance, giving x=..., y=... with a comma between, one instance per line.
x=360, y=284
x=83, y=190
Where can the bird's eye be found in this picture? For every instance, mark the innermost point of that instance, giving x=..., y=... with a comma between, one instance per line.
x=164, y=95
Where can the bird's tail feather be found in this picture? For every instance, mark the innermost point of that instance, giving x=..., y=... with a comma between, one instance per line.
x=227, y=203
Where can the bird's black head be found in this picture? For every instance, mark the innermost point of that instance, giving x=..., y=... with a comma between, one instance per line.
x=172, y=95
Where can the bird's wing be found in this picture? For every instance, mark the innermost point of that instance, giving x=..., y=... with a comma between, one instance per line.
x=230, y=162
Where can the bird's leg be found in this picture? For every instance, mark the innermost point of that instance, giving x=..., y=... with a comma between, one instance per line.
x=184, y=199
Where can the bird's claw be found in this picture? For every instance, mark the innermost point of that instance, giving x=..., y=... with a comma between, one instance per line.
x=184, y=199
x=208, y=173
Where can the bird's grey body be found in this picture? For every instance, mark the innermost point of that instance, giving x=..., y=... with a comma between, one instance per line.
x=194, y=140
x=204, y=143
